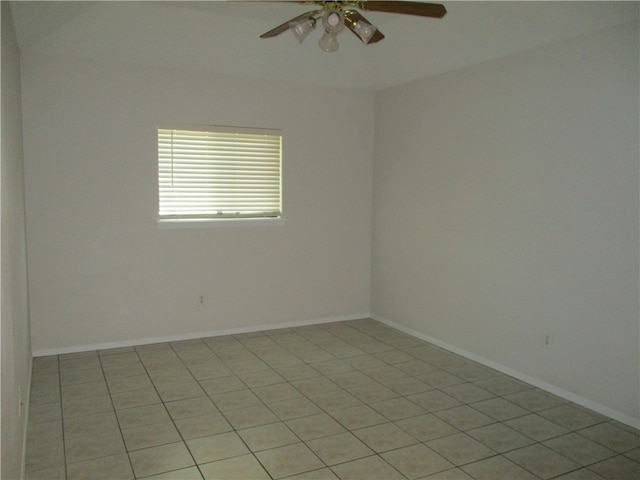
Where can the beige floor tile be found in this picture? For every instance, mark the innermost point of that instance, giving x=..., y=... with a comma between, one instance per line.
x=434, y=400
x=397, y=408
x=579, y=449
x=214, y=370
x=332, y=367
x=135, y=398
x=581, y=474
x=408, y=386
x=191, y=407
x=385, y=437
x=44, y=446
x=314, y=426
x=269, y=436
x=617, y=468
x=262, y=379
x=460, y=449
x=351, y=379
x=140, y=416
x=94, y=374
x=500, y=438
x=165, y=458
x=500, y=409
x=214, y=386
x=289, y=460
x=371, y=393
x=267, y=399
x=124, y=384
x=334, y=400
x=398, y=358
x=116, y=467
x=385, y=374
x=571, y=417
x=468, y=392
x=42, y=394
x=171, y=391
x=295, y=408
x=536, y=427
x=79, y=407
x=89, y=389
x=316, y=385
x=52, y=473
x=320, y=474
x=369, y=468
x=633, y=454
x=497, y=468
x=339, y=448
x=426, y=427
x=297, y=372
x=190, y=473
x=542, y=461
x=359, y=416
x=534, y=400
x=250, y=416
x=150, y=436
x=453, y=474
x=464, y=417
x=440, y=379
x=276, y=393
x=417, y=461
x=611, y=436
x=238, y=468
x=216, y=447
x=87, y=447
x=202, y=426
x=502, y=385
x=235, y=400
x=45, y=412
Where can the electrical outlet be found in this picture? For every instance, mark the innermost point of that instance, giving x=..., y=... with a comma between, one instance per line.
x=201, y=299
x=19, y=402
x=547, y=341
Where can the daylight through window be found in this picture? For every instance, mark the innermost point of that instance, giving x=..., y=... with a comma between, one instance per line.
x=219, y=172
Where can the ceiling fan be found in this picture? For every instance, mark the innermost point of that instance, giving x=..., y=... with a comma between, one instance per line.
x=335, y=15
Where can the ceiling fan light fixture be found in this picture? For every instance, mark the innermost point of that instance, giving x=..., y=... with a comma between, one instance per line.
x=302, y=28
x=364, y=30
x=329, y=42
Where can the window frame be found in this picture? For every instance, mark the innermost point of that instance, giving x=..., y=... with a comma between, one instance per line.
x=212, y=220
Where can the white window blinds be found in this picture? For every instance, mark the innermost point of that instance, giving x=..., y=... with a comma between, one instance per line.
x=219, y=172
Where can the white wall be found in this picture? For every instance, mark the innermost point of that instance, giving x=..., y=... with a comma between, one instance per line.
x=102, y=272
x=506, y=209
x=14, y=328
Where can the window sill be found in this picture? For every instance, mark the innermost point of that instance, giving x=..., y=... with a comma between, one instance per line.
x=219, y=222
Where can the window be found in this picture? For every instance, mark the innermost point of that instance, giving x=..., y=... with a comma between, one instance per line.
x=219, y=173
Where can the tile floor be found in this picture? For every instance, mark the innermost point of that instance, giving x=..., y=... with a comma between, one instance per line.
x=347, y=400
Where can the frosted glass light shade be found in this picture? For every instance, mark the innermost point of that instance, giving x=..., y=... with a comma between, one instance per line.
x=302, y=28
x=364, y=30
x=329, y=42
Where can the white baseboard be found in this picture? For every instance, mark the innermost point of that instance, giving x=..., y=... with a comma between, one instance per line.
x=192, y=336
x=572, y=397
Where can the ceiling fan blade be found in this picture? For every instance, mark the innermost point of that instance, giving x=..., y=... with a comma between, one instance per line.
x=351, y=17
x=285, y=26
x=433, y=10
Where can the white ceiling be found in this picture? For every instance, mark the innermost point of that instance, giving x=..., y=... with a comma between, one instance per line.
x=223, y=37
